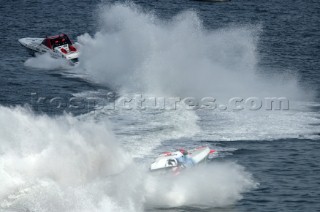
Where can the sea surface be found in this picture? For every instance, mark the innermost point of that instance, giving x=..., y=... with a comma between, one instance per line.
x=65, y=145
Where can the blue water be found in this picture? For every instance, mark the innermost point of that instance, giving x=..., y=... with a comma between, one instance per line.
x=278, y=150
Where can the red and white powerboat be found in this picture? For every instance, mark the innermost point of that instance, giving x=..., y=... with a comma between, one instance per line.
x=58, y=46
x=181, y=159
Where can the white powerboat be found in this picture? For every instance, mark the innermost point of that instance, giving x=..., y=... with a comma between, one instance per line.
x=176, y=161
x=58, y=46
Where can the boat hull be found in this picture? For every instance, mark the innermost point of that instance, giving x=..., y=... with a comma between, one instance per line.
x=175, y=161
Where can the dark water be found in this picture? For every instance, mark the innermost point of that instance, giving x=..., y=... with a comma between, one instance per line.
x=286, y=167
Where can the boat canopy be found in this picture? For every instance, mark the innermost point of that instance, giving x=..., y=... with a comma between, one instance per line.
x=57, y=40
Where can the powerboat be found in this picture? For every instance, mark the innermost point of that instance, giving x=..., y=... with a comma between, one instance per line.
x=58, y=46
x=176, y=161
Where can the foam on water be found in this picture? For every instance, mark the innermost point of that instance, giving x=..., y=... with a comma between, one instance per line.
x=258, y=125
x=218, y=184
x=142, y=130
x=136, y=51
x=45, y=61
x=75, y=164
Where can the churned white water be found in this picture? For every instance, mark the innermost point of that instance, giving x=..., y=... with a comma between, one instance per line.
x=88, y=163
